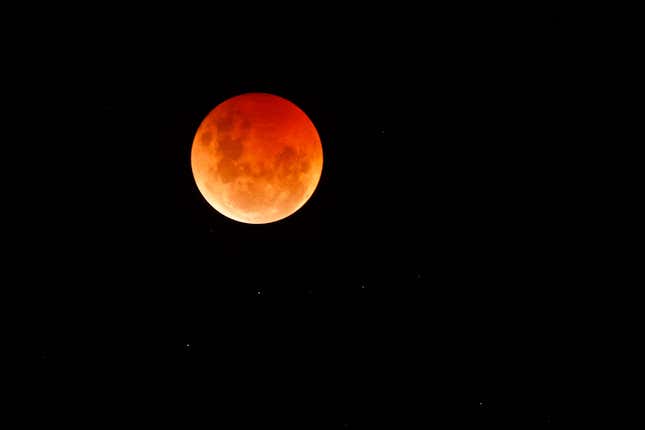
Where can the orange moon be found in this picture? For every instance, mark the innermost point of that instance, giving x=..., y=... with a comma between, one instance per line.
x=256, y=158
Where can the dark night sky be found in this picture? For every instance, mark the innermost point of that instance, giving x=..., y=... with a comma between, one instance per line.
x=419, y=285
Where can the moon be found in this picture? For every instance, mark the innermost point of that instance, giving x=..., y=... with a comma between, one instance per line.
x=256, y=158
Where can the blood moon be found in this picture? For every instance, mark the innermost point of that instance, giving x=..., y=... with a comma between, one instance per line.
x=256, y=158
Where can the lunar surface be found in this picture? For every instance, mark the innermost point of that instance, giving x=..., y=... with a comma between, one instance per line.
x=256, y=158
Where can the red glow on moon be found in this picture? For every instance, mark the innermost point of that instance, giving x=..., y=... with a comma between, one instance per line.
x=256, y=158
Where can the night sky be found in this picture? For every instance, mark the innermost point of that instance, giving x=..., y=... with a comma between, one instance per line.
x=417, y=288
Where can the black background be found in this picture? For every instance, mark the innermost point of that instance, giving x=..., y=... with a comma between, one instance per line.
x=419, y=285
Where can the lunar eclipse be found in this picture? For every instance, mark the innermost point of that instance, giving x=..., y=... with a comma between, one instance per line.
x=256, y=158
